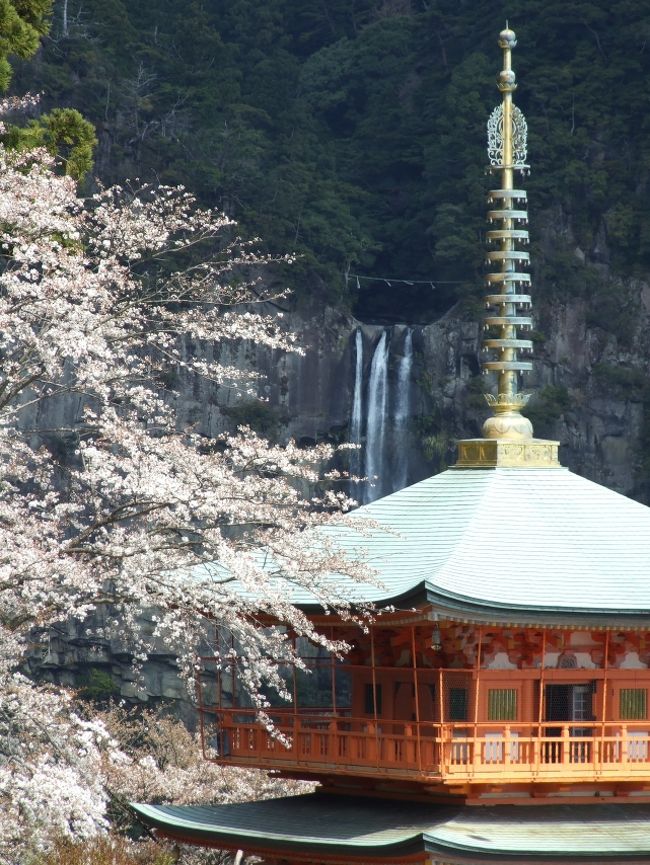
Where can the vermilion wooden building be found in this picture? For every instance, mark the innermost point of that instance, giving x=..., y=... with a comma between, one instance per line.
x=512, y=669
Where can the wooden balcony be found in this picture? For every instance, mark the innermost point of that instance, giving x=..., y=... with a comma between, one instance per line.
x=450, y=753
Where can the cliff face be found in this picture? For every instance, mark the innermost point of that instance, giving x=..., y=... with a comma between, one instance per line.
x=590, y=391
x=593, y=395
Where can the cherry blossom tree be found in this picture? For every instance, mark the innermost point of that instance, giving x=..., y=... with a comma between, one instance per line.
x=113, y=502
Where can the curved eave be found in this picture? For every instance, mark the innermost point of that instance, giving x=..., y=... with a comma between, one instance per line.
x=480, y=611
x=476, y=610
x=349, y=829
x=549, y=833
x=466, y=855
x=247, y=825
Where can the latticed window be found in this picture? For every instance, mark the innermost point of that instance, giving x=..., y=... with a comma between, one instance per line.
x=458, y=704
x=502, y=704
x=633, y=704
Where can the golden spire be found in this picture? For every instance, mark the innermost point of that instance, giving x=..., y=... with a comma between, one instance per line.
x=508, y=306
x=507, y=436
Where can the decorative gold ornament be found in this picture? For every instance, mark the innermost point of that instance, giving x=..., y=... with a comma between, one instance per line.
x=503, y=403
x=500, y=453
x=507, y=425
x=507, y=435
x=507, y=422
x=508, y=319
x=507, y=38
x=519, y=137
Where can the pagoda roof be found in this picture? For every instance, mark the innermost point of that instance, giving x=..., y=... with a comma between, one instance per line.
x=385, y=830
x=526, y=545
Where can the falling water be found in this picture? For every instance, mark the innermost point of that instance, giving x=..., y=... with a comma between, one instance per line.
x=376, y=418
x=402, y=412
x=355, y=421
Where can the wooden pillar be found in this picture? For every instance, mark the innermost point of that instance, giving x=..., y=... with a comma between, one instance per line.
x=333, y=674
x=441, y=736
x=374, y=693
x=220, y=686
x=219, y=695
x=234, y=670
x=296, y=745
x=540, y=711
x=294, y=683
x=417, y=696
x=603, y=716
x=476, y=756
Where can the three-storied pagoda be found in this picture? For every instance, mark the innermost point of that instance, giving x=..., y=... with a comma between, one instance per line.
x=511, y=666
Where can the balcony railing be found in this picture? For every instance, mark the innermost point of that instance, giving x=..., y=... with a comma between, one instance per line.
x=449, y=752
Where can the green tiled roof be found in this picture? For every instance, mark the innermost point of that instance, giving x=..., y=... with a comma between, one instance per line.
x=347, y=825
x=561, y=833
x=310, y=822
x=527, y=545
x=513, y=539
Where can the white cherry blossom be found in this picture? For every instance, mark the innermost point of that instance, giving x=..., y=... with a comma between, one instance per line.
x=116, y=503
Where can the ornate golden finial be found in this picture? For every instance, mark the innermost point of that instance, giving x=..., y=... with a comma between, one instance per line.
x=507, y=436
x=507, y=132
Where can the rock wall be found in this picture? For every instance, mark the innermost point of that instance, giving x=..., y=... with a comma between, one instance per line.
x=591, y=388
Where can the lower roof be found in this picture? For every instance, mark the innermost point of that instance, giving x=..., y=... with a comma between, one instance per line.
x=382, y=829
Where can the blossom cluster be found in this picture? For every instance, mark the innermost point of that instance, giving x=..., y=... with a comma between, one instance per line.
x=105, y=498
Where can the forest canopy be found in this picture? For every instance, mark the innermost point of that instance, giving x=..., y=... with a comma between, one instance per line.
x=352, y=132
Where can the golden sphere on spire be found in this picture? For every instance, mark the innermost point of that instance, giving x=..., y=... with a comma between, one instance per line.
x=507, y=38
x=507, y=81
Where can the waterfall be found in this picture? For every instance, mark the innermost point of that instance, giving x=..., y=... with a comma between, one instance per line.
x=380, y=414
x=355, y=421
x=402, y=413
x=376, y=419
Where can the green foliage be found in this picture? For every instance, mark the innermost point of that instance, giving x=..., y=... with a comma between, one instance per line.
x=64, y=133
x=353, y=133
x=563, y=275
x=622, y=225
x=97, y=685
x=622, y=380
x=628, y=384
x=22, y=23
x=477, y=387
x=614, y=309
x=546, y=407
x=436, y=449
x=259, y=416
x=432, y=427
